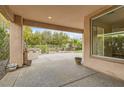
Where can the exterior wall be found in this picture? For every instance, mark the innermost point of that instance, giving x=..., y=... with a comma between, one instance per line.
x=114, y=69
x=16, y=41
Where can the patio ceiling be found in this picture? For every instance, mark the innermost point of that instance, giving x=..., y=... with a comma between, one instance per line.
x=69, y=16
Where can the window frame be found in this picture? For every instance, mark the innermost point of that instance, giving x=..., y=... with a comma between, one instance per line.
x=105, y=58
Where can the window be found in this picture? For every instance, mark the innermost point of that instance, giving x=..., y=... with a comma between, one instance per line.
x=108, y=34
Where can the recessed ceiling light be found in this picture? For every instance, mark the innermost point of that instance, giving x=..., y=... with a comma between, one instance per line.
x=49, y=17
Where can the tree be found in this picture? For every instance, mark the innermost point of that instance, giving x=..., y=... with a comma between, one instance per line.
x=36, y=39
x=46, y=37
x=77, y=43
x=55, y=38
x=27, y=34
x=64, y=38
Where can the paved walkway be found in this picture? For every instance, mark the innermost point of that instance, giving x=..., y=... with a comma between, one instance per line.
x=53, y=70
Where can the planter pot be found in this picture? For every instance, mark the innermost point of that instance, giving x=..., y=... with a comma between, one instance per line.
x=78, y=60
x=11, y=67
x=28, y=62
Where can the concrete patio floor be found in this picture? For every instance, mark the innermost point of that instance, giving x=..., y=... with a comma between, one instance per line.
x=57, y=70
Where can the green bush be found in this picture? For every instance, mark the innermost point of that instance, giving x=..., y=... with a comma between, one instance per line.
x=4, y=44
x=43, y=48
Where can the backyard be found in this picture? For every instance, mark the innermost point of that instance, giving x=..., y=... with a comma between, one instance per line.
x=48, y=40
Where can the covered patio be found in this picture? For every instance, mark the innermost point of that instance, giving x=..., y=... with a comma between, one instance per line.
x=58, y=70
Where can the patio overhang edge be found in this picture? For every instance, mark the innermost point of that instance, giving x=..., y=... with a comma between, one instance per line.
x=51, y=26
x=102, y=10
x=7, y=13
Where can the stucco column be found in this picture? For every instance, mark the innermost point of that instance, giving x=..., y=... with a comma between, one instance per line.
x=16, y=41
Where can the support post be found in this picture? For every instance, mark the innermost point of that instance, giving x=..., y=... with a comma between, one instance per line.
x=16, y=41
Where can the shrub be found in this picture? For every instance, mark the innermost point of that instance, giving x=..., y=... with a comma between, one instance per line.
x=4, y=44
x=43, y=48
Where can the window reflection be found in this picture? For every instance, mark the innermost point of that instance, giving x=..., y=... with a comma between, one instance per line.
x=108, y=34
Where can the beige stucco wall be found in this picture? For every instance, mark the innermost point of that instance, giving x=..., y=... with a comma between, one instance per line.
x=114, y=69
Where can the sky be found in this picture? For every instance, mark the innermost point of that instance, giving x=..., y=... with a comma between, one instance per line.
x=71, y=35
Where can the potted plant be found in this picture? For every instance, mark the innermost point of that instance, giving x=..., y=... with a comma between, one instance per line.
x=78, y=60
